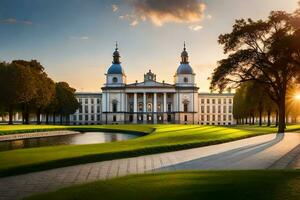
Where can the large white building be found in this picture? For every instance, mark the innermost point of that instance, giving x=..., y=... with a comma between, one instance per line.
x=151, y=101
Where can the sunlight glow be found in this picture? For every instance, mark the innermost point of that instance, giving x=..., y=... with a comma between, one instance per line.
x=297, y=96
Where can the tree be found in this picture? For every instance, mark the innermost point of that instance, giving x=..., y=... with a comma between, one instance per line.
x=66, y=102
x=16, y=86
x=267, y=52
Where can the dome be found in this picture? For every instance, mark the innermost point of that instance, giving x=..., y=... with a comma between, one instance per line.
x=115, y=69
x=185, y=69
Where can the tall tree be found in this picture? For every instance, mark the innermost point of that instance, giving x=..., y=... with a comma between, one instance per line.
x=16, y=86
x=267, y=52
x=66, y=101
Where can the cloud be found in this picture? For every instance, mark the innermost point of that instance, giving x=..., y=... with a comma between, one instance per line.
x=15, y=21
x=160, y=12
x=209, y=16
x=195, y=27
x=134, y=23
x=114, y=7
x=79, y=38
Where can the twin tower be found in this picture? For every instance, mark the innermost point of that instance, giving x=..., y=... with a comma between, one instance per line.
x=150, y=101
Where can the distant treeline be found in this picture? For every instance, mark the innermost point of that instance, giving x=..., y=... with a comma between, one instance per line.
x=26, y=88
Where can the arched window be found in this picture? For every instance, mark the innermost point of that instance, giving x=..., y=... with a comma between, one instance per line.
x=149, y=107
x=185, y=79
x=140, y=107
x=115, y=79
x=185, y=107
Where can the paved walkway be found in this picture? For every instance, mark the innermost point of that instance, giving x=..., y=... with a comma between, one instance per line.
x=262, y=152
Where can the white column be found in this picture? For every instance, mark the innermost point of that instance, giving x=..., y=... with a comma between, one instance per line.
x=135, y=108
x=135, y=103
x=144, y=103
x=165, y=102
x=144, y=108
x=155, y=108
x=155, y=102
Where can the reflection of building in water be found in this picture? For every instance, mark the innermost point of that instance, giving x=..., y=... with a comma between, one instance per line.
x=17, y=144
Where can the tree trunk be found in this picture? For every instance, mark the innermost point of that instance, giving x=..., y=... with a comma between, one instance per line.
x=26, y=114
x=11, y=113
x=253, y=120
x=61, y=119
x=54, y=120
x=276, y=118
x=38, y=116
x=246, y=120
x=260, y=117
x=269, y=118
x=47, y=118
x=281, y=123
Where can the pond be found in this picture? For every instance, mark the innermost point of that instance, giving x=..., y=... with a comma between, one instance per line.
x=79, y=138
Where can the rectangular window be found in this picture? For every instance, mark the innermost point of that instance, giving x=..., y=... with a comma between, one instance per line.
x=224, y=101
x=80, y=109
x=92, y=117
x=202, y=109
x=202, y=101
x=213, y=101
x=224, y=118
x=207, y=109
x=98, y=109
x=114, y=118
x=169, y=118
x=98, y=117
x=219, y=109
x=92, y=109
x=80, y=117
x=202, y=117
x=74, y=117
x=230, y=101
x=229, y=117
x=214, y=118
x=207, y=101
x=224, y=109
x=86, y=118
x=230, y=109
x=219, y=101
x=214, y=109
x=207, y=118
x=169, y=107
x=219, y=117
x=98, y=101
x=185, y=118
x=86, y=101
x=80, y=100
x=86, y=109
x=92, y=101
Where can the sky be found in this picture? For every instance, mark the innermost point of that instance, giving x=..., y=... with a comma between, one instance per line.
x=74, y=39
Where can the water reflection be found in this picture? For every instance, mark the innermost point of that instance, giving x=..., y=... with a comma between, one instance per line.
x=80, y=138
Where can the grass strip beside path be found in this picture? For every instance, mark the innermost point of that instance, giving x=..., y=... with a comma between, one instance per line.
x=165, y=138
x=194, y=185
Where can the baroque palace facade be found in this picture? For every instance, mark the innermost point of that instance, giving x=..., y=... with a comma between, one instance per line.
x=151, y=101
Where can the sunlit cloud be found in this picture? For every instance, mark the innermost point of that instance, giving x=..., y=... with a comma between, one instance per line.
x=78, y=37
x=160, y=12
x=15, y=21
x=195, y=27
x=114, y=7
x=134, y=23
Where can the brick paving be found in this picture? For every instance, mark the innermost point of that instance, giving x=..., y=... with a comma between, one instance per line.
x=262, y=152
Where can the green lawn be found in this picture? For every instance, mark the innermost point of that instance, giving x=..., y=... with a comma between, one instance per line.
x=194, y=185
x=164, y=138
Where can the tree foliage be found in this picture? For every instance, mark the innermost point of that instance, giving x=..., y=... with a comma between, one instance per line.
x=264, y=51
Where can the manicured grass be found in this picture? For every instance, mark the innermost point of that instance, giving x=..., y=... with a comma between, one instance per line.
x=194, y=185
x=164, y=138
